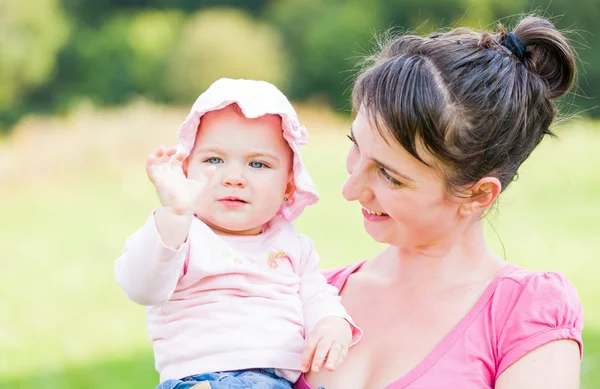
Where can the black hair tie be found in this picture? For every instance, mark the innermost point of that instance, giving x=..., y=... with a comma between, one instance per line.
x=514, y=45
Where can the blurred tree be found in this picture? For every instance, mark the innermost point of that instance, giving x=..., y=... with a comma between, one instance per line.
x=30, y=39
x=223, y=43
x=123, y=57
x=170, y=50
x=94, y=12
x=325, y=40
x=153, y=37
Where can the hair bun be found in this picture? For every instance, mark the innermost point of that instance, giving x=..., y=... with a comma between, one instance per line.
x=548, y=54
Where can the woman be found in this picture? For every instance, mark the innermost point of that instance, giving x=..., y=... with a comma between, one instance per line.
x=442, y=125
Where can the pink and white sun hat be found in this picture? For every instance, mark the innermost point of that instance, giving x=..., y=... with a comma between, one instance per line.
x=255, y=99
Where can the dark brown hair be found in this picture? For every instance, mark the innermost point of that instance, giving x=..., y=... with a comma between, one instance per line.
x=478, y=108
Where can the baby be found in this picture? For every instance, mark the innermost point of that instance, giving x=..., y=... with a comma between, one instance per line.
x=234, y=295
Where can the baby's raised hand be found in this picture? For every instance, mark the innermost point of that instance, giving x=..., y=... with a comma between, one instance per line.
x=173, y=188
x=327, y=344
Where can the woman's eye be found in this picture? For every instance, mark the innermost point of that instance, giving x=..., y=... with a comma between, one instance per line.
x=258, y=164
x=389, y=178
x=349, y=136
x=214, y=160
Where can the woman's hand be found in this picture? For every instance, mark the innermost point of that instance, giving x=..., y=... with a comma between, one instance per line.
x=327, y=344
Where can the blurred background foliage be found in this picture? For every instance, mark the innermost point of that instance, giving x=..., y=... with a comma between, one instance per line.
x=89, y=87
x=56, y=53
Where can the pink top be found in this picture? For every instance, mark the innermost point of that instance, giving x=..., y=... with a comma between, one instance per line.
x=519, y=311
x=221, y=303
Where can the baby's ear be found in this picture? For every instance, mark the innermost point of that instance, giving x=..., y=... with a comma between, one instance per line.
x=184, y=165
x=291, y=186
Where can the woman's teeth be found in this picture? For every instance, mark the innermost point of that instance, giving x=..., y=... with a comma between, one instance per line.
x=375, y=213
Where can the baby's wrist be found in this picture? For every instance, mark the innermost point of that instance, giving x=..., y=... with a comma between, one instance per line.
x=178, y=213
x=175, y=216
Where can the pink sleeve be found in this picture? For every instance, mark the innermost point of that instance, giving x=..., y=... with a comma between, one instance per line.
x=319, y=299
x=546, y=309
x=337, y=277
x=148, y=270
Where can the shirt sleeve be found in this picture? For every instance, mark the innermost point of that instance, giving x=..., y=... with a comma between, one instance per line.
x=546, y=309
x=319, y=299
x=148, y=270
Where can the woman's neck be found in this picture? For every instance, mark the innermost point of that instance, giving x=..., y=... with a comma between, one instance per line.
x=466, y=258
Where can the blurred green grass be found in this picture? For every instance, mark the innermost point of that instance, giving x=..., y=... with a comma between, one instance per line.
x=64, y=323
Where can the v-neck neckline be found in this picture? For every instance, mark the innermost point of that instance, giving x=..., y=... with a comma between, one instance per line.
x=450, y=338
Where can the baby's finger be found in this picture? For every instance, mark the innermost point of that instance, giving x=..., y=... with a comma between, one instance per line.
x=161, y=151
x=206, y=176
x=169, y=152
x=209, y=172
x=178, y=158
x=320, y=354
x=308, y=351
x=335, y=356
x=149, y=161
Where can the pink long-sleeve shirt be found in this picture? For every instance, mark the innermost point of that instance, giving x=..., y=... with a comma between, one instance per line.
x=221, y=303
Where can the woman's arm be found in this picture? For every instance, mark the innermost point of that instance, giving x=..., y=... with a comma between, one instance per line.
x=554, y=365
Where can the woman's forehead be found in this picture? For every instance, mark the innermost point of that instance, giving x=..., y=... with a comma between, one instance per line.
x=379, y=144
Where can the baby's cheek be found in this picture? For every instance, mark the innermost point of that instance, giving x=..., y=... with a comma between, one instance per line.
x=203, y=208
x=271, y=202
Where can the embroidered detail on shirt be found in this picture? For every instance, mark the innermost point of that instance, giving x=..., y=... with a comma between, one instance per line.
x=275, y=257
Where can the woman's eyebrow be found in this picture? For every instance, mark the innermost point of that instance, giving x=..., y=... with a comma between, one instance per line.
x=388, y=168
x=383, y=165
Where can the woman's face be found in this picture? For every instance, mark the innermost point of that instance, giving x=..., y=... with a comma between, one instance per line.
x=405, y=203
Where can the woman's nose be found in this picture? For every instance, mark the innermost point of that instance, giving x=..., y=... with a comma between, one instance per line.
x=356, y=188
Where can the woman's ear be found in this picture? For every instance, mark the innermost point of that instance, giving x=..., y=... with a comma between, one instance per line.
x=482, y=195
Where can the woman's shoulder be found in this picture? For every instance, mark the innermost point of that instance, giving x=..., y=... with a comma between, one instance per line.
x=337, y=277
x=528, y=292
x=532, y=308
x=527, y=286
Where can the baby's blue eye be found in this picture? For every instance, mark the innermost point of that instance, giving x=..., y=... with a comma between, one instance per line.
x=257, y=164
x=214, y=160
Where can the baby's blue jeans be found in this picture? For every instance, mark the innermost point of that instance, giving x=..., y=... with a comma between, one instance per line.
x=240, y=379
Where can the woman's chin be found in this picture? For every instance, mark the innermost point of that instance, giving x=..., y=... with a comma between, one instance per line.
x=378, y=234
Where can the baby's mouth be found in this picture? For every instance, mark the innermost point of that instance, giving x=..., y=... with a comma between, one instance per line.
x=232, y=202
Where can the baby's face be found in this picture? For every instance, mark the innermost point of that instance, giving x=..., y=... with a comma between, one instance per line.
x=253, y=170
